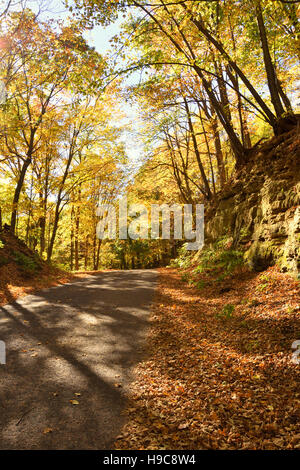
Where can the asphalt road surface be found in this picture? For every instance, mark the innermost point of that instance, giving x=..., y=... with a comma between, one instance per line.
x=78, y=342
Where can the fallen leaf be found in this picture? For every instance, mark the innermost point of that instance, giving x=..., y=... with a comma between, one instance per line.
x=183, y=425
x=47, y=430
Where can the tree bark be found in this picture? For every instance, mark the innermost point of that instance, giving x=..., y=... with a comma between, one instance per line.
x=270, y=70
x=72, y=240
x=96, y=264
x=17, y=193
x=76, y=244
x=60, y=198
x=219, y=153
x=198, y=158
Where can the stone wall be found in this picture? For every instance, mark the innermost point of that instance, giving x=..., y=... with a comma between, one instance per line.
x=259, y=208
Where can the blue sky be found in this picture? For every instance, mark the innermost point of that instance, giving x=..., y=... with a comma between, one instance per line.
x=99, y=37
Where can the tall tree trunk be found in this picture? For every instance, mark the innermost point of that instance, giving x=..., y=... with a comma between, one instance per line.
x=219, y=153
x=247, y=137
x=96, y=265
x=42, y=223
x=54, y=230
x=197, y=153
x=77, y=224
x=60, y=198
x=236, y=145
x=17, y=193
x=86, y=252
x=24, y=168
x=76, y=244
x=72, y=240
x=208, y=150
x=270, y=70
x=43, y=207
x=94, y=247
x=223, y=91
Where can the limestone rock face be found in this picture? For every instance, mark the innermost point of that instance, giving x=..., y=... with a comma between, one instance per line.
x=260, y=208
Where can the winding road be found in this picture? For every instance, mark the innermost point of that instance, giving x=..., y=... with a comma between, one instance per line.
x=70, y=354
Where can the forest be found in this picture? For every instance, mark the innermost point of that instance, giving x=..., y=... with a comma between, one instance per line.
x=164, y=102
x=211, y=80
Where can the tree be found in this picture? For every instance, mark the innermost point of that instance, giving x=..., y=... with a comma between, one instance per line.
x=46, y=63
x=190, y=27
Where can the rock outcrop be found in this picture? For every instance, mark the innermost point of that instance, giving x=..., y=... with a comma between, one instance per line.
x=260, y=207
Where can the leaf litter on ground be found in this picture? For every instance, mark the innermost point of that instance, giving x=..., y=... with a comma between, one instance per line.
x=218, y=382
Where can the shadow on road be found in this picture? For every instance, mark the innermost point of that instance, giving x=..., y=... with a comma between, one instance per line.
x=76, y=342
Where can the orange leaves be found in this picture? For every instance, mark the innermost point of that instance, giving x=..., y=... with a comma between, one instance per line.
x=183, y=426
x=180, y=389
x=203, y=386
x=47, y=430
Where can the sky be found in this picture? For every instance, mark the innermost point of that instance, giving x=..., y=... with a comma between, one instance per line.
x=99, y=38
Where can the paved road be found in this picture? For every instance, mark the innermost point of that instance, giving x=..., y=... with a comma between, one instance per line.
x=80, y=338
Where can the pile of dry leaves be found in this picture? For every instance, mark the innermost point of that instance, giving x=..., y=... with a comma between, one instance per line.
x=13, y=284
x=219, y=371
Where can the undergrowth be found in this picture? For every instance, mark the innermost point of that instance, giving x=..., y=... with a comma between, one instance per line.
x=219, y=260
x=27, y=264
